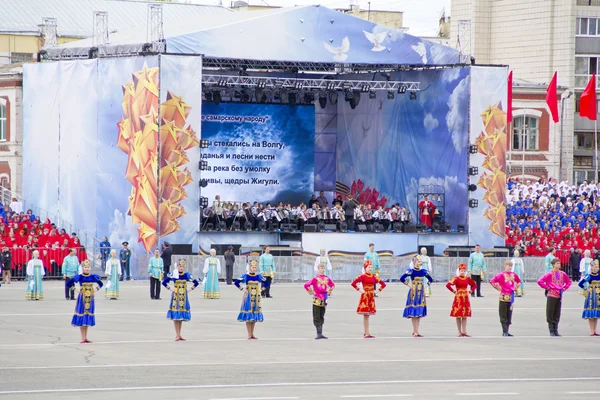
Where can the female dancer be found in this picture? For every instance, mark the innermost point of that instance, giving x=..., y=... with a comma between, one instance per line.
x=519, y=269
x=366, y=304
x=251, y=310
x=35, y=273
x=416, y=304
x=212, y=269
x=585, y=268
x=84, y=308
x=591, y=308
x=462, y=286
x=113, y=273
x=179, y=310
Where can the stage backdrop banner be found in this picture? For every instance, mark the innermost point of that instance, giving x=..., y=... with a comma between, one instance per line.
x=258, y=152
x=390, y=150
x=488, y=132
x=99, y=167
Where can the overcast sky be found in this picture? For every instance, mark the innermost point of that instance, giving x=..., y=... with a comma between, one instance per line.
x=420, y=16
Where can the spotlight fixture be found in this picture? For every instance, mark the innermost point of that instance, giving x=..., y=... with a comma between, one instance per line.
x=390, y=95
x=413, y=95
x=222, y=83
x=472, y=187
x=473, y=149
x=473, y=203
x=333, y=97
x=461, y=228
x=402, y=89
x=365, y=88
x=348, y=95
x=204, y=144
x=260, y=95
x=277, y=96
x=309, y=97
x=208, y=97
x=203, y=202
x=203, y=183
x=473, y=171
x=323, y=99
x=237, y=94
x=355, y=100
x=203, y=165
x=299, y=85
x=330, y=86
x=216, y=95
x=245, y=95
x=261, y=84
x=346, y=86
x=372, y=94
x=292, y=99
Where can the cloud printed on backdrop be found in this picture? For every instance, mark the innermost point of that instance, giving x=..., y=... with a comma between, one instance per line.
x=397, y=146
x=97, y=100
x=259, y=152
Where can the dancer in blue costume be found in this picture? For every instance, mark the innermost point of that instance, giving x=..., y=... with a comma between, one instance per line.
x=84, y=308
x=251, y=310
x=212, y=269
x=179, y=308
x=416, y=304
x=591, y=308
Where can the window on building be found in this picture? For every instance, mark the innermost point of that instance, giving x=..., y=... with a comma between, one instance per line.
x=585, y=66
x=20, y=57
x=3, y=122
x=584, y=141
x=582, y=161
x=525, y=131
x=588, y=26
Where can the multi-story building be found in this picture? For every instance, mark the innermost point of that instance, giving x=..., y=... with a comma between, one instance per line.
x=537, y=38
x=11, y=139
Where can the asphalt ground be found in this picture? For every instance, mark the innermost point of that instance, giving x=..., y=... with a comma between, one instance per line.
x=134, y=354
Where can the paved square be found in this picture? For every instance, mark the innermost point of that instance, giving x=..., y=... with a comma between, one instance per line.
x=134, y=352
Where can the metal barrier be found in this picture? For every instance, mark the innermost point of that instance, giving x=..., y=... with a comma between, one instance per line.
x=51, y=258
x=345, y=268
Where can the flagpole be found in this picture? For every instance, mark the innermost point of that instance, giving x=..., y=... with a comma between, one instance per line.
x=523, y=142
x=596, y=150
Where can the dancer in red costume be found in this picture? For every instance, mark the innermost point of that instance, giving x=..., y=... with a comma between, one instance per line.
x=366, y=304
x=461, y=286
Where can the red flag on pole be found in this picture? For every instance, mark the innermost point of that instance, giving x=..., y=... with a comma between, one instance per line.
x=509, y=98
x=552, y=99
x=587, y=102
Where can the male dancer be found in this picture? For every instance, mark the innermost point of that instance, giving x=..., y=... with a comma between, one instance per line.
x=372, y=256
x=267, y=270
x=555, y=282
x=506, y=283
x=477, y=268
x=320, y=287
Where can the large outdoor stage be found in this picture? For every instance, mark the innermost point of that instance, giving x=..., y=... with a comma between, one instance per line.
x=131, y=144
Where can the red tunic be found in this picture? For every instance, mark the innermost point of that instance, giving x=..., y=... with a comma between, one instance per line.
x=461, y=307
x=366, y=304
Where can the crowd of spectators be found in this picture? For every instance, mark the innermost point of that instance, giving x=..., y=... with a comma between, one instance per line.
x=546, y=214
x=22, y=232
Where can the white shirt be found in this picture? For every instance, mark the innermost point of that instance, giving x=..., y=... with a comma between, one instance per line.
x=31, y=265
x=16, y=206
x=207, y=264
x=108, y=269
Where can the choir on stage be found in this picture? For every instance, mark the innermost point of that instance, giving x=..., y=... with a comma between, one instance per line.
x=179, y=308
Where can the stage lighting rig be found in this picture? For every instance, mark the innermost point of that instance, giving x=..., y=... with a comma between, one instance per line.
x=309, y=97
x=365, y=88
x=472, y=187
x=372, y=94
x=390, y=95
x=203, y=202
x=333, y=97
x=413, y=95
x=402, y=89
x=204, y=144
x=473, y=171
x=216, y=95
x=203, y=165
x=473, y=203
x=473, y=149
x=203, y=183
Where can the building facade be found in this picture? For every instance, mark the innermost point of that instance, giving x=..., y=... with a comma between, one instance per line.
x=535, y=38
x=11, y=139
x=534, y=143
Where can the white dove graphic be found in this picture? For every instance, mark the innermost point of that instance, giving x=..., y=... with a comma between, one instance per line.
x=420, y=50
x=339, y=53
x=376, y=39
